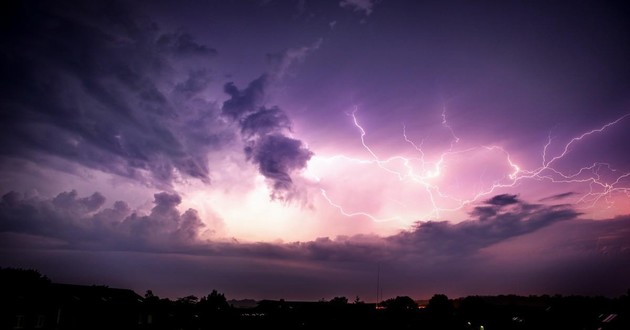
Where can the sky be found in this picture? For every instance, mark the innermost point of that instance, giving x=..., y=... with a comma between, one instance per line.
x=305, y=150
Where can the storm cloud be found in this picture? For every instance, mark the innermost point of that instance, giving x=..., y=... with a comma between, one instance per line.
x=244, y=101
x=264, y=132
x=175, y=146
x=431, y=252
x=497, y=219
x=98, y=85
x=78, y=220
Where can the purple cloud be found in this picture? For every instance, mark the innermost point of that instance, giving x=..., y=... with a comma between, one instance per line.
x=135, y=99
x=264, y=122
x=91, y=84
x=263, y=131
x=506, y=217
x=446, y=249
x=277, y=156
x=502, y=200
x=81, y=223
x=74, y=222
x=244, y=101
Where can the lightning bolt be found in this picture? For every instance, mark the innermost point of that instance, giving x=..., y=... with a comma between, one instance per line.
x=599, y=189
x=352, y=214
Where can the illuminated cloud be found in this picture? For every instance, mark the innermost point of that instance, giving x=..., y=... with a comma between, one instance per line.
x=263, y=131
x=277, y=156
x=537, y=237
x=75, y=219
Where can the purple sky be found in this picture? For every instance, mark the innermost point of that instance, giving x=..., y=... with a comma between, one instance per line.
x=290, y=149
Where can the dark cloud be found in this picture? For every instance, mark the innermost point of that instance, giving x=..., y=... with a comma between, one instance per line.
x=263, y=131
x=165, y=229
x=277, y=156
x=503, y=199
x=81, y=223
x=165, y=224
x=264, y=122
x=495, y=205
x=96, y=84
x=245, y=101
x=506, y=217
x=69, y=200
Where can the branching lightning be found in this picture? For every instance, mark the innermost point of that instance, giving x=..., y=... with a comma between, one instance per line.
x=423, y=173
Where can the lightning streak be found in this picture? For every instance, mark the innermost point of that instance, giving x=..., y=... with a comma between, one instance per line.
x=579, y=138
x=352, y=214
x=599, y=189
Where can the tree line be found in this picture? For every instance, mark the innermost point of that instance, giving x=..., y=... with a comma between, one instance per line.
x=215, y=311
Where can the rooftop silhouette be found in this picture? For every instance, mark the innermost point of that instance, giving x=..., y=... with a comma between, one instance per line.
x=35, y=302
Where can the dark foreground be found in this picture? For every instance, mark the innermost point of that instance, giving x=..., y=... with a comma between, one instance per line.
x=31, y=301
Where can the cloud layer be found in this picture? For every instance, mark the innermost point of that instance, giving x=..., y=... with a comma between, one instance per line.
x=264, y=132
x=80, y=221
x=464, y=258
x=99, y=86
x=91, y=85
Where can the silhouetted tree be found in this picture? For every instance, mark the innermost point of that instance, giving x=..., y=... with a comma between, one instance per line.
x=22, y=281
x=150, y=297
x=149, y=294
x=400, y=303
x=475, y=309
x=440, y=305
x=339, y=301
x=22, y=277
x=214, y=301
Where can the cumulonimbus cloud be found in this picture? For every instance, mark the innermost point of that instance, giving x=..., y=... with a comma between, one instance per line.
x=265, y=130
x=81, y=221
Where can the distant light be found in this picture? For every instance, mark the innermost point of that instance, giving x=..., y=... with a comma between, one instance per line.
x=609, y=318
